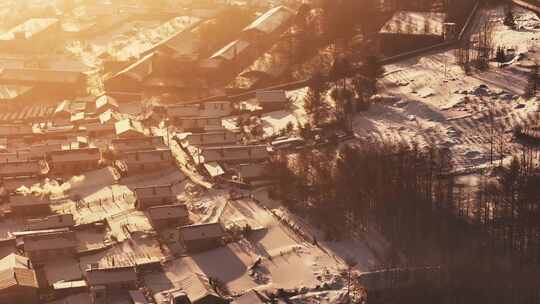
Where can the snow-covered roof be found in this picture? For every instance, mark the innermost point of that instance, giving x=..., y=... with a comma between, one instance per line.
x=137, y=143
x=154, y=191
x=50, y=241
x=265, y=97
x=168, y=212
x=14, y=183
x=139, y=70
x=71, y=155
x=106, y=276
x=15, y=271
x=50, y=222
x=234, y=153
x=231, y=50
x=415, y=23
x=109, y=116
x=8, y=92
x=214, y=169
x=77, y=117
x=202, y=231
x=28, y=200
x=29, y=28
x=147, y=156
x=184, y=44
x=14, y=260
x=129, y=127
x=213, y=138
x=105, y=101
x=188, y=110
x=197, y=287
x=271, y=20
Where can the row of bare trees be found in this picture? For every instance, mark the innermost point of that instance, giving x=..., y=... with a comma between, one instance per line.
x=410, y=195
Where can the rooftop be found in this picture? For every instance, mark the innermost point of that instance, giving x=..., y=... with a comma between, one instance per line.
x=271, y=20
x=201, y=231
x=8, y=92
x=29, y=28
x=105, y=276
x=167, y=212
x=231, y=50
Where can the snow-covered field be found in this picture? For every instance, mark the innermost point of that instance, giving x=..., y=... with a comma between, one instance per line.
x=437, y=103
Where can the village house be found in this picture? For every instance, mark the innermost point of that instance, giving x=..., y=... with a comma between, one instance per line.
x=272, y=100
x=130, y=79
x=122, y=145
x=195, y=289
x=407, y=31
x=157, y=195
x=129, y=128
x=269, y=26
x=18, y=280
x=74, y=160
x=77, y=119
x=168, y=216
x=43, y=246
x=106, y=103
x=236, y=154
x=65, y=111
x=177, y=56
x=199, y=124
x=121, y=278
x=29, y=205
x=230, y=59
x=206, y=109
x=147, y=161
x=55, y=221
x=23, y=168
x=218, y=138
x=202, y=237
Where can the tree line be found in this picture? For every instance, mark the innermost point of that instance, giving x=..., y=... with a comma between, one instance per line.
x=411, y=196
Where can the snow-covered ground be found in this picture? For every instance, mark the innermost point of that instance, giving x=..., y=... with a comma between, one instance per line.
x=439, y=104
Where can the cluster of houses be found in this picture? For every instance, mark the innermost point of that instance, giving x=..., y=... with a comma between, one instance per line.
x=118, y=130
x=174, y=66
